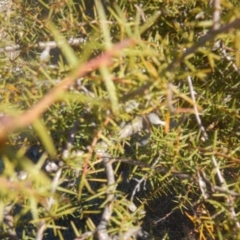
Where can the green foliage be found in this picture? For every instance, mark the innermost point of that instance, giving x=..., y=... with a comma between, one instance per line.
x=177, y=181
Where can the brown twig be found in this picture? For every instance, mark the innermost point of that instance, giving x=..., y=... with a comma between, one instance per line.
x=11, y=124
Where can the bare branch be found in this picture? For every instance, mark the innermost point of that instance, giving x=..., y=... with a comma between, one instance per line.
x=226, y=55
x=137, y=187
x=101, y=231
x=216, y=14
x=199, y=122
x=42, y=45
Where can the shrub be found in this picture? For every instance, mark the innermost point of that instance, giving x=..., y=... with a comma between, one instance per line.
x=119, y=120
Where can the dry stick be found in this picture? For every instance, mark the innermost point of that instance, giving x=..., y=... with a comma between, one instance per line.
x=216, y=14
x=163, y=218
x=42, y=45
x=101, y=231
x=199, y=122
x=10, y=124
x=216, y=25
x=8, y=219
x=50, y=44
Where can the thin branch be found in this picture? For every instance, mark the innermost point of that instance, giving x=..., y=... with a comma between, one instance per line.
x=42, y=225
x=163, y=218
x=216, y=14
x=200, y=43
x=42, y=45
x=9, y=221
x=216, y=24
x=229, y=58
x=101, y=231
x=171, y=68
x=137, y=187
x=10, y=124
x=199, y=122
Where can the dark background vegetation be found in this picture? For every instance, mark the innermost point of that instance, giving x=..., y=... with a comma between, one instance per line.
x=85, y=156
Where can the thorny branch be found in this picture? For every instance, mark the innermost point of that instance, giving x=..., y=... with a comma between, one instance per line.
x=221, y=179
x=10, y=124
x=170, y=69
